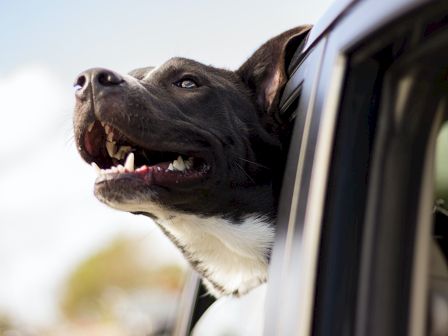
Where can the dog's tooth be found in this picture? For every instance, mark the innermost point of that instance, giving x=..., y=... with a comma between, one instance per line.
x=95, y=166
x=90, y=127
x=110, y=137
x=114, y=169
x=189, y=163
x=103, y=124
x=129, y=163
x=117, y=155
x=111, y=148
x=179, y=164
x=122, y=151
x=107, y=128
x=120, y=168
x=170, y=167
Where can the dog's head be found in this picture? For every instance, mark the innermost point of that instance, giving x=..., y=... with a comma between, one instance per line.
x=186, y=136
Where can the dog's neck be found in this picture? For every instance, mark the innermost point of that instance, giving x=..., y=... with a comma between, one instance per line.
x=232, y=256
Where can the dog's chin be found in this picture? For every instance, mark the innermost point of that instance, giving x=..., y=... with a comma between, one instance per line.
x=140, y=190
x=156, y=178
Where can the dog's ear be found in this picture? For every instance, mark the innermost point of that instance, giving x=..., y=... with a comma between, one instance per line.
x=141, y=72
x=265, y=71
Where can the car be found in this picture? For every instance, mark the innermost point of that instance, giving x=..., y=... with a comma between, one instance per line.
x=362, y=232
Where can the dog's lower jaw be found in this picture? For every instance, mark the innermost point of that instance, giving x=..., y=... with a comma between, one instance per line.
x=232, y=257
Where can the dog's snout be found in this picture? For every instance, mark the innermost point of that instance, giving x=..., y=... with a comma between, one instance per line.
x=108, y=78
x=80, y=82
x=98, y=78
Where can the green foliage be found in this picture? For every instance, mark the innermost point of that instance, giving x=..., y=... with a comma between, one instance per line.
x=119, y=266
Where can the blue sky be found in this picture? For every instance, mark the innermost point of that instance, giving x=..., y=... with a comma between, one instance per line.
x=68, y=36
x=49, y=219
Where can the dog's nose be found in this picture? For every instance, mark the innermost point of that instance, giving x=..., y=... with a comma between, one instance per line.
x=98, y=78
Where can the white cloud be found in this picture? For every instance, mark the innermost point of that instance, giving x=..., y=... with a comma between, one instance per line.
x=31, y=102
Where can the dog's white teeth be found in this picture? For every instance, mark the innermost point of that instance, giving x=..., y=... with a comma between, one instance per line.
x=189, y=163
x=122, y=152
x=111, y=148
x=103, y=124
x=109, y=133
x=179, y=164
x=120, y=169
x=90, y=127
x=95, y=166
x=110, y=137
x=119, y=154
x=129, y=163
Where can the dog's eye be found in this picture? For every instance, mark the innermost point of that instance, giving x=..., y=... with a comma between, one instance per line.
x=186, y=84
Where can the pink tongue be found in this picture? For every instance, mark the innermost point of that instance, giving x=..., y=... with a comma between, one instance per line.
x=158, y=167
x=159, y=175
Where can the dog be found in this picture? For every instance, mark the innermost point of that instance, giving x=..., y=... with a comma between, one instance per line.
x=198, y=149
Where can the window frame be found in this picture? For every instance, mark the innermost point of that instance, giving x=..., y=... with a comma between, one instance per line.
x=369, y=17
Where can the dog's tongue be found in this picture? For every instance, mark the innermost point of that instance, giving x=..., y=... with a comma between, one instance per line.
x=159, y=175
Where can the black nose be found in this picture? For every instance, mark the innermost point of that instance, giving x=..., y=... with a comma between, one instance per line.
x=98, y=78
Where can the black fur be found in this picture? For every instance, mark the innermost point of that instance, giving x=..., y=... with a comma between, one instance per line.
x=227, y=120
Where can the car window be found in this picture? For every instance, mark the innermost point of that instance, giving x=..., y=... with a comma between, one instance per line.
x=438, y=272
x=286, y=269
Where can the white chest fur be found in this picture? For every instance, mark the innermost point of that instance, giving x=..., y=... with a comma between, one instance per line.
x=232, y=257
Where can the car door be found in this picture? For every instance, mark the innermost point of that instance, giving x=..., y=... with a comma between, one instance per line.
x=354, y=244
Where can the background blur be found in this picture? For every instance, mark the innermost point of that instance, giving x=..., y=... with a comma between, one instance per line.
x=68, y=264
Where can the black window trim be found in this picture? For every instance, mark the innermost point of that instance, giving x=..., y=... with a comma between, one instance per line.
x=367, y=16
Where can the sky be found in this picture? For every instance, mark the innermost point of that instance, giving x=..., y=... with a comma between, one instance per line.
x=49, y=218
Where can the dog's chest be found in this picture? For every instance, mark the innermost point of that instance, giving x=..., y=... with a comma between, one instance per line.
x=232, y=257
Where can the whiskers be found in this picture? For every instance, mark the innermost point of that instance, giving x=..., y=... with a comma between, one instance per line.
x=252, y=162
x=244, y=172
x=70, y=140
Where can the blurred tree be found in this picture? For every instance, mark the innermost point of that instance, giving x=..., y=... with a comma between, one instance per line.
x=118, y=267
x=5, y=324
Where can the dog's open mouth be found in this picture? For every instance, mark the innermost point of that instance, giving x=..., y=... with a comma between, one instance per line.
x=114, y=157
